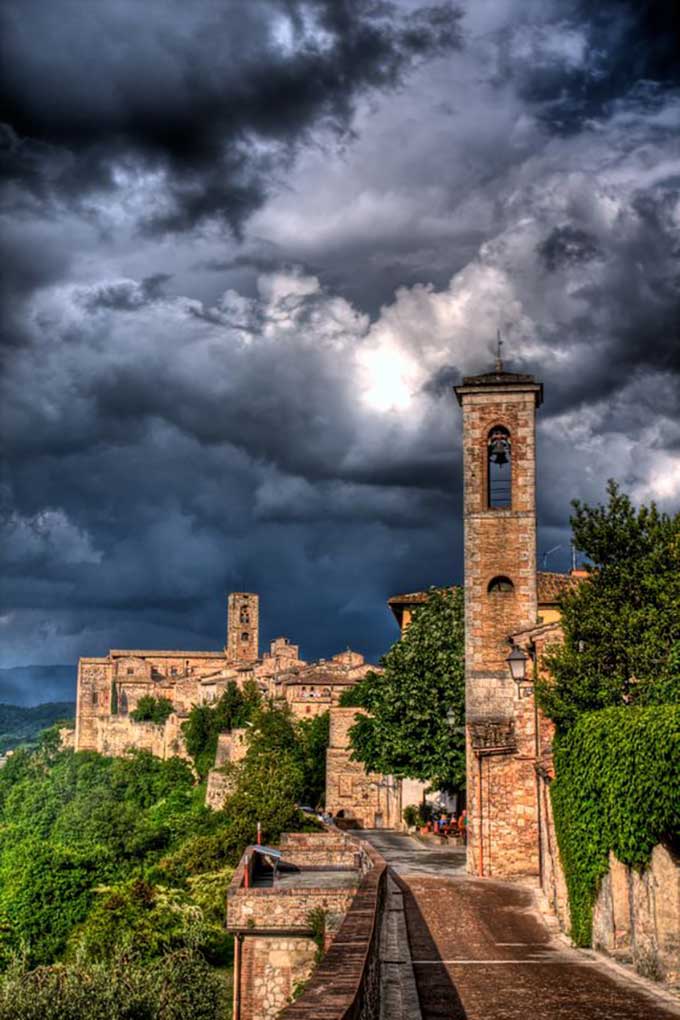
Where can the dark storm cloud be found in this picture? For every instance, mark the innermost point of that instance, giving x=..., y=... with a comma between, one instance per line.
x=190, y=415
x=567, y=244
x=629, y=48
x=211, y=95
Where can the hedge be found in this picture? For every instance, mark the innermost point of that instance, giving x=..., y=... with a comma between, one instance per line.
x=617, y=787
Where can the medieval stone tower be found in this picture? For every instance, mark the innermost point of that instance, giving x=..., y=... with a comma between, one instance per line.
x=243, y=613
x=499, y=471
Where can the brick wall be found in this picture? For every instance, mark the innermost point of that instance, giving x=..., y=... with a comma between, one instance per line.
x=501, y=738
x=274, y=945
x=346, y=984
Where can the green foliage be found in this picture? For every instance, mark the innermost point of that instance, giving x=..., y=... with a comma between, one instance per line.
x=317, y=922
x=72, y=822
x=179, y=986
x=150, y=709
x=621, y=625
x=205, y=723
x=313, y=736
x=23, y=725
x=407, y=733
x=617, y=787
x=410, y=815
x=148, y=921
x=104, y=860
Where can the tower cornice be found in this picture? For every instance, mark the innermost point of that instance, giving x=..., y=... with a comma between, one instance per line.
x=499, y=382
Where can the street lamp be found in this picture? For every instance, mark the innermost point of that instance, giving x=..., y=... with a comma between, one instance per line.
x=517, y=661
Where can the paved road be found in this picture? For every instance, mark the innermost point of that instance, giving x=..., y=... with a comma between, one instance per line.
x=481, y=952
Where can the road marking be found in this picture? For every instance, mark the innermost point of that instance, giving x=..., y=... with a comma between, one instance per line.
x=504, y=963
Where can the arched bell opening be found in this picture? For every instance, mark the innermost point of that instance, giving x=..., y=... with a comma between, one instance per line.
x=500, y=585
x=499, y=468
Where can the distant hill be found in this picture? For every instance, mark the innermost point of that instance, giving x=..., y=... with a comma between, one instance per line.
x=36, y=685
x=22, y=725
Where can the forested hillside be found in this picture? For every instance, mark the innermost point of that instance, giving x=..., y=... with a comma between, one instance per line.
x=20, y=725
x=113, y=873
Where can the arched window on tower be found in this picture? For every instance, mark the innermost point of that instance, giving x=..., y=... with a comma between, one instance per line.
x=500, y=584
x=244, y=615
x=499, y=468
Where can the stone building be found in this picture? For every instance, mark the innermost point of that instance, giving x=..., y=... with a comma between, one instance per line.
x=110, y=686
x=311, y=689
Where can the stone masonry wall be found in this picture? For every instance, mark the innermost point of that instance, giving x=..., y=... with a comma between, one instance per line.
x=637, y=916
x=370, y=798
x=93, y=700
x=116, y=735
x=315, y=850
x=272, y=969
x=501, y=798
x=275, y=949
x=346, y=984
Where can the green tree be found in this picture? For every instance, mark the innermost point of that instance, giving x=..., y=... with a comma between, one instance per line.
x=150, y=709
x=205, y=723
x=622, y=624
x=313, y=736
x=407, y=732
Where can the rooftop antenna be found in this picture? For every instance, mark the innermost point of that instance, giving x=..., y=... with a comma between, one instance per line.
x=499, y=363
x=548, y=553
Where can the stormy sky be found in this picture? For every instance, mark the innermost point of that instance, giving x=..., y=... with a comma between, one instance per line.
x=247, y=248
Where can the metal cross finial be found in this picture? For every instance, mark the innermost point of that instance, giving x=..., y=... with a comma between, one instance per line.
x=499, y=363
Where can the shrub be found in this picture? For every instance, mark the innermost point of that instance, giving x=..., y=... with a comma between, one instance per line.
x=410, y=815
x=180, y=986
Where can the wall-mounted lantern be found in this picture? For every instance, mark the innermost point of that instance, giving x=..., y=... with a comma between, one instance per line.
x=517, y=661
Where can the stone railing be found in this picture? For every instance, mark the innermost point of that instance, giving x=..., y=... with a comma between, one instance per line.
x=346, y=984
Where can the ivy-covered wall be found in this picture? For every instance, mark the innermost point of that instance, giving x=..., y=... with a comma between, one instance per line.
x=617, y=787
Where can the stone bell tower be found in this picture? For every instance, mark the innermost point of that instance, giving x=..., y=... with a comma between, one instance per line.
x=499, y=466
x=243, y=613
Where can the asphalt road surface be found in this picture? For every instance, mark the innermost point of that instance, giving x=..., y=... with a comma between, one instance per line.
x=482, y=952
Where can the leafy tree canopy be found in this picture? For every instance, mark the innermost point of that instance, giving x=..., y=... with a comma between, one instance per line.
x=622, y=624
x=406, y=732
x=150, y=709
x=205, y=723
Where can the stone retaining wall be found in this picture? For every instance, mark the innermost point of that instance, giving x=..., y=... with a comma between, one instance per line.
x=636, y=918
x=346, y=984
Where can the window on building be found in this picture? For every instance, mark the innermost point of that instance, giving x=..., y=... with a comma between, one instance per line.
x=244, y=635
x=245, y=616
x=123, y=703
x=94, y=697
x=130, y=670
x=173, y=671
x=500, y=584
x=499, y=457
